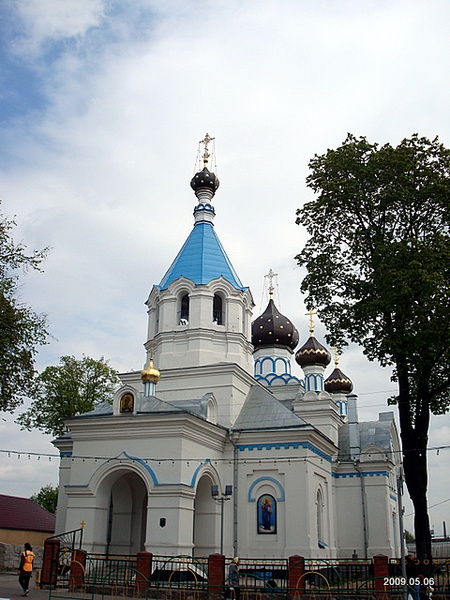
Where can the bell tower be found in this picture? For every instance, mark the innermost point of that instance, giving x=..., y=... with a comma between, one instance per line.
x=200, y=313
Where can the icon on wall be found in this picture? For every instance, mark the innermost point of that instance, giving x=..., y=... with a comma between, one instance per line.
x=267, y=514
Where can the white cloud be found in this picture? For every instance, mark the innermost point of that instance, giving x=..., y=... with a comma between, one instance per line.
x=57, y=20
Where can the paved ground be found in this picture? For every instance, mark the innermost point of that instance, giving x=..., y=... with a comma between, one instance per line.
x=11, y=590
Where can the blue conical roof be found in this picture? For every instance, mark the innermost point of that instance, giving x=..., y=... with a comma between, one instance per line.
x=202, y=259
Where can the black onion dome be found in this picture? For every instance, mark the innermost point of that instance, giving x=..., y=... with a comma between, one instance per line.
x=273, y=329
x=312, y=353
x=205, y=179
x=338, y=382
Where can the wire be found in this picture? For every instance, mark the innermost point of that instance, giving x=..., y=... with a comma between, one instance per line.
x=431, y=506
x=242, y=459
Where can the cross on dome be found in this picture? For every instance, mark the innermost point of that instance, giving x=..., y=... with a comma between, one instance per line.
x=311, y=313
x=336, y=355
x=205, y=141
x=270, y=276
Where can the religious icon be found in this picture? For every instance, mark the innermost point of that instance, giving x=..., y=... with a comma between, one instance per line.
x=267, y=514
x=126, y=403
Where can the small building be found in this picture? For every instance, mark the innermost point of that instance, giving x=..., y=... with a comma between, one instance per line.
x=23, y=520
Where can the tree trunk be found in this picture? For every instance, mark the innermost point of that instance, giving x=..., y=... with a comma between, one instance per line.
x=415, y=467
x=414, y=438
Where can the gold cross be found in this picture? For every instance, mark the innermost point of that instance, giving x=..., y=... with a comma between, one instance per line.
x=336, y=355
x=270, y=276
x=205, y=141
x=82, y=524
x=310, y=313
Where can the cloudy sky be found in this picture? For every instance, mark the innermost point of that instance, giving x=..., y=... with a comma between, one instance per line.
x=102, y=105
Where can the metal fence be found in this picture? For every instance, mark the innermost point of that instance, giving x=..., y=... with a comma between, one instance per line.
x=186, y=578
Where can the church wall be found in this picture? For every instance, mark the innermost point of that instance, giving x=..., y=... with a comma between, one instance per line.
x=291, y=474
x=380, y=506
x=380, y=503
x=170, y=484
x=349, y=515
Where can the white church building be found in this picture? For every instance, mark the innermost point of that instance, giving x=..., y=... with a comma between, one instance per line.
x=215, y=445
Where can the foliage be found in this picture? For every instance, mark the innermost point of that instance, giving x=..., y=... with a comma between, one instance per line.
x=47, y=497
x=409, y=537
x=378, y=271
x=21, y=329
x=66, y=390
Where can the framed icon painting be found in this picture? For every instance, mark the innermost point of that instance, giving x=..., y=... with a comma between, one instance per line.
x=267, y=514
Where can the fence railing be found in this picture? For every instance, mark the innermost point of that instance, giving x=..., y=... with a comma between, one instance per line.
x=184, y=577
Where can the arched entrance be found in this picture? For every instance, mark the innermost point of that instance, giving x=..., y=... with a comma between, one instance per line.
x=127, y=513
x=206, y=519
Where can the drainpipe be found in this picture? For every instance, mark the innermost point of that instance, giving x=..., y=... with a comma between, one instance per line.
x=235, y=495
x=363, y=502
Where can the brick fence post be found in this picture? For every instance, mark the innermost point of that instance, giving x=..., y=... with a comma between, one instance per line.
x=77, y=570
x=380, y=571
x=296, y=581
x=216, y=575
x=143, y=570
x=49, y=571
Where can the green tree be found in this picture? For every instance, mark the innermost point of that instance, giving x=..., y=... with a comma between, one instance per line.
x=378, y=271
x=47, y=497
x=21, y=329
x=71, y=388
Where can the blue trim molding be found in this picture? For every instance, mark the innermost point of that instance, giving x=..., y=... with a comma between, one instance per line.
x=149, y=470
x=276, y=483
x=197, y=471
x=356, y=474
x=284, y=446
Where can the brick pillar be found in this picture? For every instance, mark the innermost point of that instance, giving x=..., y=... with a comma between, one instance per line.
x=143, y=570
x=216, y=575
x=380, y=571
x=77, y=570
x=49, y=571
x=296, y=581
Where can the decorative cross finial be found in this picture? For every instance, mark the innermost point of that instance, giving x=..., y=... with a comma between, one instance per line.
x=270, y=276
x=310, y=313
x=205, y=141
x=82, y=524
x=336, y=355
x=152, y=349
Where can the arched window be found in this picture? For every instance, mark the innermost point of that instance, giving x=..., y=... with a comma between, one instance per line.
x=183, y=317
x=267, y=514
x=319, y=518
x=218, y=314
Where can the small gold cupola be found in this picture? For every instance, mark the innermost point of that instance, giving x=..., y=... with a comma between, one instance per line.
x=150, y=376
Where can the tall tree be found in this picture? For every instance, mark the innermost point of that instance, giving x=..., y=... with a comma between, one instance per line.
x=21, y=329
x=378, y=271
x=47, y=497
x=66, y=390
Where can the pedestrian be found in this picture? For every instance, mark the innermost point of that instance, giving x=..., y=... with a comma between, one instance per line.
x=26, y=568
x=233, y=590
x=412, y=577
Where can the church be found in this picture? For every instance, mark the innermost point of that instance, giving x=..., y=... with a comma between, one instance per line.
x=215, y=446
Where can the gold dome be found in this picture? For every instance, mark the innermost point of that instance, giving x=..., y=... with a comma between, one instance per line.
x=150, y=373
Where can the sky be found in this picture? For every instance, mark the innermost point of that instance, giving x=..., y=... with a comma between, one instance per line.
x=102, y=106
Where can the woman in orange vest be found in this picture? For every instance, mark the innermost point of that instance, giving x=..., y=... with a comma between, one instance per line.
x=26, y=568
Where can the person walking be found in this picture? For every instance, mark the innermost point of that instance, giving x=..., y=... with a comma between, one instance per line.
x=26, y=568
x=233, y=591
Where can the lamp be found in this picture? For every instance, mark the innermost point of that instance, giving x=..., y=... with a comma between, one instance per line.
x=221, y=499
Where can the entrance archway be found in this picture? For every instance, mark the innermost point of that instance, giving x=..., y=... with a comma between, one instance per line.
x=127, y=515
x=206, y=519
